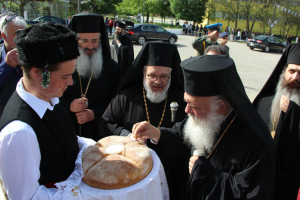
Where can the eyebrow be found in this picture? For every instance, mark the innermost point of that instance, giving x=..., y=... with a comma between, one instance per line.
x=67, y=74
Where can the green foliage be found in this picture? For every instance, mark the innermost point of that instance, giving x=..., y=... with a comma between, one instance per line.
x=192, y=10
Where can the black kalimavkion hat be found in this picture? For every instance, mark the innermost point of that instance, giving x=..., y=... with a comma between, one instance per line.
x=155, y=54
x=121, y=25
x=88, y=22
x=46, y=43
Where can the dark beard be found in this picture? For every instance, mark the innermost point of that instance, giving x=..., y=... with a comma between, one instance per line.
x=119, y=36
x=286, y=88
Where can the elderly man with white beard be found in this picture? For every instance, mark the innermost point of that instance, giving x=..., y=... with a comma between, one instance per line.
x=97, y=76
x=152, y=83
x=235, y=155
x=278, y=103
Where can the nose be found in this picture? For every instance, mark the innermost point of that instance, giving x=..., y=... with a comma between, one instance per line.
x=296, y=76
x=158, y=81
x=70, y=81
x=188, y=109
x=90, y=45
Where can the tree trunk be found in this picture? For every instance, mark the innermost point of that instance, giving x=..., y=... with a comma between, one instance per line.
x=236, y=18
x=147, y=20
x=22, y=5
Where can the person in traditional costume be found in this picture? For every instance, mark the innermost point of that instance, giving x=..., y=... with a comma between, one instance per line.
x=97, y=76
x=234, y=156
x=124, y=48
x=38, y=142
x=153, y=84
x=278, y=104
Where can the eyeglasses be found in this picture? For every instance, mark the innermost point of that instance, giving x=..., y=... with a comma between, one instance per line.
x=86, y=41
x=8, y=19
x=163, y=79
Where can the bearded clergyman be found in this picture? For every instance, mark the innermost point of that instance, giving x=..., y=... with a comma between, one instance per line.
x=278, y=104
x=97, y=76
x=124, y=48
x=234, y=156
x=152, y=85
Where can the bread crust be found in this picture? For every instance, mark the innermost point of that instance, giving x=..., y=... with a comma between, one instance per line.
x=115, y=171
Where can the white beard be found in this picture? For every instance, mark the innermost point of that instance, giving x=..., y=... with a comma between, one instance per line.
x=202, y=133
x=155, y=97
x=282, y=89
x=88, y=64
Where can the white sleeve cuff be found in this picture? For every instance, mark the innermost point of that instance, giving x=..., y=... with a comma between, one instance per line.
x=152, y=141
x=195, y=153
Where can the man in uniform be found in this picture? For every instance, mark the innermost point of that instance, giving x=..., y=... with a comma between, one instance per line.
x=234, y=155
x=224, y=39
x=278, y=103
x=201, y=43
x=10, y=71
x=96, y=78
x=124, y=48
x=150, y=86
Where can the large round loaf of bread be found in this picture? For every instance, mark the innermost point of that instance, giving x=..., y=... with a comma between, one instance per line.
x=114, y=171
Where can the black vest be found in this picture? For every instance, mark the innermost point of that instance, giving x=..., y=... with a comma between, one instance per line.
x=55, y=134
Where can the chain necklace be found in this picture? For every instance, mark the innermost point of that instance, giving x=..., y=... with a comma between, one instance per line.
x=83, y=95
x=163, y=114
x=221, y=137
x=273, y=132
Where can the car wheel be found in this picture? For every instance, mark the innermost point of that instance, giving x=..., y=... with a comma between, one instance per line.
x=141, y=40
x=172, y=40
x=251, y=48
x=267, y=49
x=283, y=50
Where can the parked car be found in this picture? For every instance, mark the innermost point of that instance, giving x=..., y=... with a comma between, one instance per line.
x=44, y=19
x=143, y=32
x=266, y=43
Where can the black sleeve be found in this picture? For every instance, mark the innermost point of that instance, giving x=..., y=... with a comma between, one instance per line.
x=115, y=82
x=207, y=182
x=125, y=56
x=110, y=121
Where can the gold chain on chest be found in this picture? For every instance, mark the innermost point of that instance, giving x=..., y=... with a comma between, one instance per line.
x=163, y=114
x=87, y=87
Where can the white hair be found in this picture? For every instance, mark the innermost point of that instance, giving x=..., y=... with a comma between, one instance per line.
x=86, y=65
x=202, y=133
x=18, y=21
x=155, y=97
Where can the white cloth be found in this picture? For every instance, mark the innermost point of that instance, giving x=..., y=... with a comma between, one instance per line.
x=154, y=186
x=20, y=154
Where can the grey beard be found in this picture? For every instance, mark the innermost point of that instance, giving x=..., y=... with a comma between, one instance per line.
x=88, y=64
x=202, y=134
x=155, y=97
x=282, y=88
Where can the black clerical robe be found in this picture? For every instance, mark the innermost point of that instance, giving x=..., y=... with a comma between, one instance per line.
x=287, y=142
x=125, y=53
x=240, y=167
x=128, y=108
x=99, y=94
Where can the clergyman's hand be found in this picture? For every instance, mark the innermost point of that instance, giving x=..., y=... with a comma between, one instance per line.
x=146, y=130
x=284, y=103
x=78, y=105
x=192, y=162
x=85, y=116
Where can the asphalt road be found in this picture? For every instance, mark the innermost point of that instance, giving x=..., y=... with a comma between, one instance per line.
x=253, y=66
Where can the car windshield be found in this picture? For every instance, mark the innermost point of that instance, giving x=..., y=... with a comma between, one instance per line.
x=36, y=19
x=260, y=37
